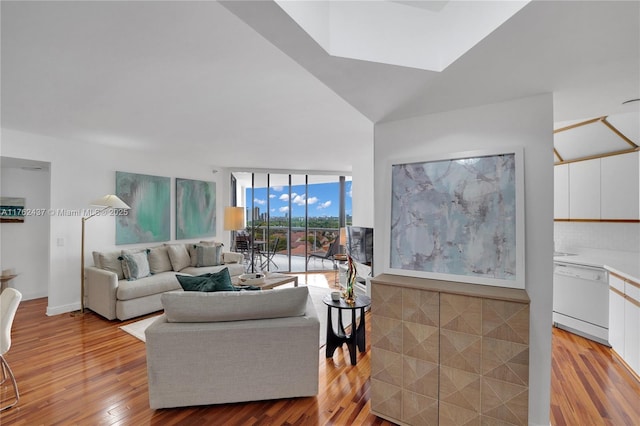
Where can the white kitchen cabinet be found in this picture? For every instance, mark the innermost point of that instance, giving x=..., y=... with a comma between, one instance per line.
x=561, y=191
x=616, y=314
x=620, y=186
x=632, y=325
x=584, y=193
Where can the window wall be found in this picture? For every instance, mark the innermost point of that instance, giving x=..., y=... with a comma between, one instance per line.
x=293, y=219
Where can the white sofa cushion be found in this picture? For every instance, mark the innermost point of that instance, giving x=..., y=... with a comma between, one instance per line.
x=190, y=306
x=153, y=284
x=179, y=256
x=235, y=269
x=109, y=261
x=159, y=260
x=231, y=257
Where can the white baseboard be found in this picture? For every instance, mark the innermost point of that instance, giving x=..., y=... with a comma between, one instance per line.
x=63, y=309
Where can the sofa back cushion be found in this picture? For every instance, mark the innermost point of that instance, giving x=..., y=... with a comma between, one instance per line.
x=159, y=260
x=109, y=261
x=179, y=256
x=189, y=306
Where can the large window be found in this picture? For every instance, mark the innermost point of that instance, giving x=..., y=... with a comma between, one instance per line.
x=294, y=220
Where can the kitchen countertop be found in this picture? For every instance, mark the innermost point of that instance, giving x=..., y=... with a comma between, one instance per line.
x=624, y=263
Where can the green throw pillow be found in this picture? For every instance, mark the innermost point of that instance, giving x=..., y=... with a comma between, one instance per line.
x=221, y=281
x=217, y=281
x=191, y=283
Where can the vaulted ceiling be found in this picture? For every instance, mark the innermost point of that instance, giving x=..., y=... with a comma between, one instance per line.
x=241, y=84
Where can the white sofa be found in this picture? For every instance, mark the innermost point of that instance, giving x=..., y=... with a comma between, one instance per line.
x=110, y=293
x=223, y=347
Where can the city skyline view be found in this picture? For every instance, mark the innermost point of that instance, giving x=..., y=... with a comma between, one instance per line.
x=323, y=200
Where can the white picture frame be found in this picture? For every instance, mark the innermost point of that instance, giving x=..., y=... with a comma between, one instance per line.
x=457, y=217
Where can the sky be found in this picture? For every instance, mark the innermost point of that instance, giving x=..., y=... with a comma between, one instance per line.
x=323, y=200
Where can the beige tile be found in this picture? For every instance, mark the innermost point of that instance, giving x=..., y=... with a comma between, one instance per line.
x=386, y=399
x=490, y=421
x=461, y=350
x=419, y=409
x=421, y=377
x=504, y=401
x=506, y=361
x=386, y=333
x=461, y=313
x=452, y=415
x=386, y=366
x=505, y=320
x=460, y=388
x=386, y=301
x=421, y=341
x=422, y=307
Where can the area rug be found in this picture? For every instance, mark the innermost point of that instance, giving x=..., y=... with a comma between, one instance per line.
x=136, y=329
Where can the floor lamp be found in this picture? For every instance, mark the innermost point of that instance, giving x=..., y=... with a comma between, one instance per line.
x=106, y=202
x=233, y=221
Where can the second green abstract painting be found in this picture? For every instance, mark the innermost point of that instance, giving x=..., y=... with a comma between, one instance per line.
x=195, y=208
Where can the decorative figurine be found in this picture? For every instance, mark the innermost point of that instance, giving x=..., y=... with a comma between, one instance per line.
x=352, y=273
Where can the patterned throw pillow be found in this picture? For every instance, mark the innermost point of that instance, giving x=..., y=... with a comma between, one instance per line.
x=125, y=268
x=208, y=255
x=137, y=265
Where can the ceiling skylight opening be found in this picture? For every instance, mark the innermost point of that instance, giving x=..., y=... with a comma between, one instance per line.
x=391, y=32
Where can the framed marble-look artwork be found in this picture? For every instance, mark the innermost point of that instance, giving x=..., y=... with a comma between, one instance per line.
x=459, y=218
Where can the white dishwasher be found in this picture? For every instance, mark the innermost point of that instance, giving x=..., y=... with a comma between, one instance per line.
x=581, y=300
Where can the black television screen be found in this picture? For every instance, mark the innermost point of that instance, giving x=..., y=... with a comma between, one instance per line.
x=360, y=244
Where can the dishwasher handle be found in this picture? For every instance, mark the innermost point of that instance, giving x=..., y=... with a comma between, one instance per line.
x=581, y=272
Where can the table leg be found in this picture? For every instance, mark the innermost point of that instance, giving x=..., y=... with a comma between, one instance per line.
x=334, y=339
x=361, y=333
x=352, y=339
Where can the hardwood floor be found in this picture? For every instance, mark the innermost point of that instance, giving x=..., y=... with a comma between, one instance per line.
x=86, y=371
x=589, y=385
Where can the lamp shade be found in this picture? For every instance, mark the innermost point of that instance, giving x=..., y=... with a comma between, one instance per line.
x=110, y=201
x=343, y=236
x=233, y=218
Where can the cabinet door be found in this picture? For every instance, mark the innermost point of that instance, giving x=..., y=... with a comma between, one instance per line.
x=584, y=189
x=561, y=191
x=632, y=326
x=620, y=186
x=616, y=314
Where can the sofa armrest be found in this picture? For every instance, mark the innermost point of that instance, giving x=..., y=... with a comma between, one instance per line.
x=230, y=257
x=100, y=291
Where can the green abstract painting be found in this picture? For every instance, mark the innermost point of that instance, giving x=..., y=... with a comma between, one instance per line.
x=149, y=197
x=195, y=208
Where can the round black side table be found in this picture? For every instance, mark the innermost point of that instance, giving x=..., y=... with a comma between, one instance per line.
x=356, y=338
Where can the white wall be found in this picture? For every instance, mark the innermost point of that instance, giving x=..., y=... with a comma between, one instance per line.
x=527, y=123
x=25, y=246
x=80, y=173
x=363, y=189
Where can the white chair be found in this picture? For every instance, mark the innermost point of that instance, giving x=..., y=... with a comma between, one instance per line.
x=9, y=301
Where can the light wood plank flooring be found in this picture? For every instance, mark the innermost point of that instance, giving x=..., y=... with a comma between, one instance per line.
x=86, y=371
